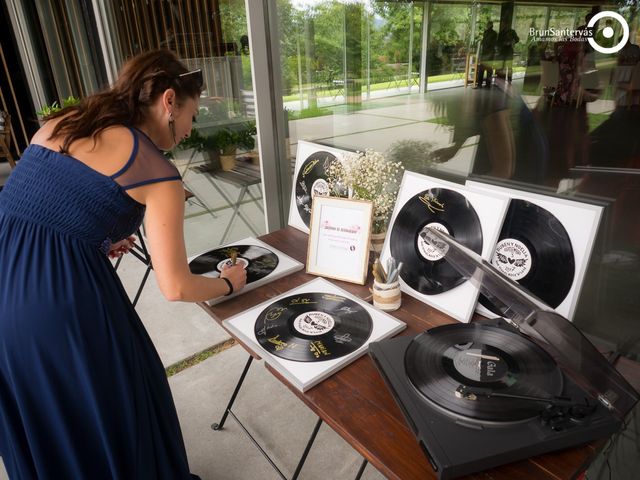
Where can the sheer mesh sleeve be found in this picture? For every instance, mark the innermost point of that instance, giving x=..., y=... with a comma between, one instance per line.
x=146, y=165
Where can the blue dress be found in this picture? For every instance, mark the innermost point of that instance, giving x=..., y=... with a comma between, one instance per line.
x=83, y=393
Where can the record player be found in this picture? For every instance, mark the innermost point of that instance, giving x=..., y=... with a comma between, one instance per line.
x=487, y=393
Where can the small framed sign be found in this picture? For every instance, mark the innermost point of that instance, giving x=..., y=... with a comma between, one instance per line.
x=339, y=238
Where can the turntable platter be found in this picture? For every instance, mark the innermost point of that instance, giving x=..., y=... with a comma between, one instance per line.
x=442, y=359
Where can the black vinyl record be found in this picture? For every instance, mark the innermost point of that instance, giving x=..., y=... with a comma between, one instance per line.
x=424, y=269
x=444, y=358
x=534, y=249
x=312, y=327
x=312, y=181
x=257, y=261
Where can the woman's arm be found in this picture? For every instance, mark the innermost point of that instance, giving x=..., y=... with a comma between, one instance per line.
x=164, y=221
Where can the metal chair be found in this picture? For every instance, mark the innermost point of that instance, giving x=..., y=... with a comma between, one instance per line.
x=140, y=251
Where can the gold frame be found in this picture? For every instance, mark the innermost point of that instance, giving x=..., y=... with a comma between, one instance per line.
x=366, y=209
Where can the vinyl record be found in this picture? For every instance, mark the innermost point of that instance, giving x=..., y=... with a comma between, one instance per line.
x=312, y=327
x=424, y=268
x=312, y=181
x=444, y=358
x=534, y=249
x=258, y=261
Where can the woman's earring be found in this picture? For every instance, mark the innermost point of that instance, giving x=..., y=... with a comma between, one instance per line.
x=172, y=128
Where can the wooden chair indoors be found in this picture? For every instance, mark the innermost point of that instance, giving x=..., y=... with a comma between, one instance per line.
x=5, y=142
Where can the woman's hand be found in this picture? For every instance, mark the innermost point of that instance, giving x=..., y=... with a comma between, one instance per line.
x=236, y=274
x=120, y=248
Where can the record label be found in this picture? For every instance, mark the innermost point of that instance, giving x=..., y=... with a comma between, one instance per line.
x=429, y=252
x=257, y=261
x=229, y=263
x=478, y=365
x=313, y=327
x=512, y=258
x=446, y=210
x=313, y=323
x=320, y=187
x=534, y=249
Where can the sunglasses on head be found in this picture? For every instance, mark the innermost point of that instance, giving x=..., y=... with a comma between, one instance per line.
x=193, y=76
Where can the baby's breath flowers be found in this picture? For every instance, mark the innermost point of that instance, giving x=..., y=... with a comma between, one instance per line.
x=368, y=175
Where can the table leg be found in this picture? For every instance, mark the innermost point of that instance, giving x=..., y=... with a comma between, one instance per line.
x=236, y=208
x=255, y=200
x=257, y=445
x=306, y=449
x=361, y=471
x=237, y=212
x=220, y=424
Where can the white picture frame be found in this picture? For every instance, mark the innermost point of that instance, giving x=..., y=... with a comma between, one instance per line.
x=580, y=220
x=304, y=375
x=308, y=151
x=340, y=238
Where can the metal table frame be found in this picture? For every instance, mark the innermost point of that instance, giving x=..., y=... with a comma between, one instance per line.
x=228, y=411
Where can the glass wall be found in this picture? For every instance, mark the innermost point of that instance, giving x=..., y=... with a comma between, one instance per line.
x=219, y=163
x=450, y=39
x=389, y=76
x=350, y=75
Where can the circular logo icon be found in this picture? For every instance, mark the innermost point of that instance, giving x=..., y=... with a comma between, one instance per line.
x=608, y=32
x=512, y=258
x=313, y=323
x=429, y=252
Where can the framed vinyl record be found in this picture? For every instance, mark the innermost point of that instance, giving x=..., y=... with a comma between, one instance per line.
x=544, y=245
x=312, y=331
x=473, y=218
x=310, y=180
x=262, y=262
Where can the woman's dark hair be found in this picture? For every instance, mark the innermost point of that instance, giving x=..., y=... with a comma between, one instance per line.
x=142, y=79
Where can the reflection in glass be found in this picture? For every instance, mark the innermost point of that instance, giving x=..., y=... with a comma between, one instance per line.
x=569, y=129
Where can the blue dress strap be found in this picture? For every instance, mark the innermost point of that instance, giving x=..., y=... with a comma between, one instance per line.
x=146, y=165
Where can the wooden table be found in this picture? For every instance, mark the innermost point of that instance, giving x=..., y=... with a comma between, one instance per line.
x=357, y=404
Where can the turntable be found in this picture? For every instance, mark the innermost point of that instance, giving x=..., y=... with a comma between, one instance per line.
x=488, y=393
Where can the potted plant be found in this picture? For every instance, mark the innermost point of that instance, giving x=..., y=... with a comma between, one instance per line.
x=47, y=110
x=205, y=144
x=228, y=140
x=369, y=175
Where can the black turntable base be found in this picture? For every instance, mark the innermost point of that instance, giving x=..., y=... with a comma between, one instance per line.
x=481, y=395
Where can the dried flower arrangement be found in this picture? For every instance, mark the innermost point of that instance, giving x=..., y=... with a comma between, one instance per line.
x=370, y=176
